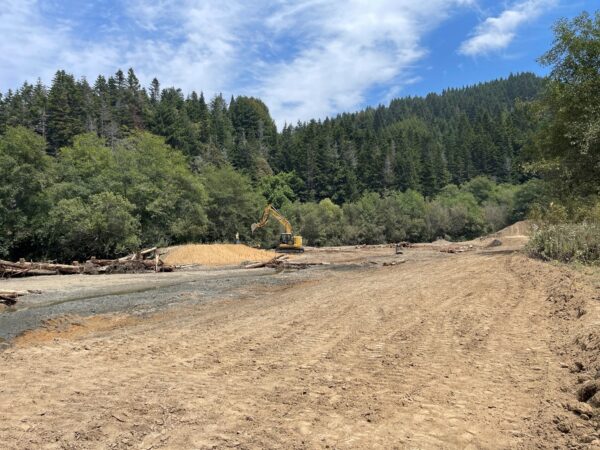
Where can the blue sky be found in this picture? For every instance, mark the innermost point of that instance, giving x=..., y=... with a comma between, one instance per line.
x=306, y=58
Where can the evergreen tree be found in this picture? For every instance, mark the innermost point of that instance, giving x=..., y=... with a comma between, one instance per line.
x=65, y=111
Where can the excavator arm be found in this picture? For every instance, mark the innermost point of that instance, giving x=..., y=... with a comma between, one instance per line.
x=271, y=211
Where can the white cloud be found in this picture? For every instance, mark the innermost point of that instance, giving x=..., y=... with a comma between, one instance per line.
x=496, y=33
x=348, y=48
x=194, y=44
x=305, y=58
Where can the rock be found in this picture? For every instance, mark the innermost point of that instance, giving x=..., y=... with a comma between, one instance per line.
x=577, y=367
x=563, y=427
x=582, y=378
x=495, y=243
x=595, y=400
x=588, y=390
x=580, y=408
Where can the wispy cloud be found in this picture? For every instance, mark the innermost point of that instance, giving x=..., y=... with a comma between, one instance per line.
x=191, y=44
x=347, y=48
x=496, y=33
x=305, y=58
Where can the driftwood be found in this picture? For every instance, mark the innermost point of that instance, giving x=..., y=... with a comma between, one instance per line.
x=281, y=262
x=8, y=301
x=10, y=297
x=268, y=263
x=12, y=272
x=29, y=266
x=135, y=262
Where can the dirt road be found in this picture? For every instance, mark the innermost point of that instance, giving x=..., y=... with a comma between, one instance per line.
x=444, y=351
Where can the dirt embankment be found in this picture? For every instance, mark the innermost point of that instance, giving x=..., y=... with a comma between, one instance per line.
x=472, y=350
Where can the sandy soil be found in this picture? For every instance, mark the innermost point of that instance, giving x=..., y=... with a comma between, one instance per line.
x=471, y=350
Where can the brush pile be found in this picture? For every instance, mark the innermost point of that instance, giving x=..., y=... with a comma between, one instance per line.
x=142, y=261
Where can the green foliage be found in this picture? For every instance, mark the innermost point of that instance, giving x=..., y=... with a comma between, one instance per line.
x=26, y=172
x=528, y=195
x=65, y=110
x=103, y=226
x=279, y=189
x=319, y=223
x=232, y=206
x=375, y=176
x=567, y=148
x=567, y=242
x=168, y=199
x=457, y=214
x=414, y=143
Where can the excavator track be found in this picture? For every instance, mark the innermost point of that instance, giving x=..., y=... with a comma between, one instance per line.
x=289, y=250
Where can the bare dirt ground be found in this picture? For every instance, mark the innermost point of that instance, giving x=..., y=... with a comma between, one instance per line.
x=483, y=349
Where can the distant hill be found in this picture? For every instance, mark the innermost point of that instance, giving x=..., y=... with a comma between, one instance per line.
x=421, y=143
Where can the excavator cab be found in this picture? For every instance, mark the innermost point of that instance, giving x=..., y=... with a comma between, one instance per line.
x=288, y=242
x=286, y=238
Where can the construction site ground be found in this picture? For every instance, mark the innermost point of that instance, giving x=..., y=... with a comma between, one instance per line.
x=480, y=349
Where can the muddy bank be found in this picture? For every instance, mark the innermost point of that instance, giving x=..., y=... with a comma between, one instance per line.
x=140, y=296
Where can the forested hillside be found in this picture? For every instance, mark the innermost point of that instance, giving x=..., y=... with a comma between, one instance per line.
x=106, y=168
x=417, y=143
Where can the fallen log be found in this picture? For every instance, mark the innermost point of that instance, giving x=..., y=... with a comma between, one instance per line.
x=139, y=255
x=281, y=262
x=12, y=272
x=276, y=260
x=130, y=263
x=147, y=251
x=22, y=265
x=20, y=293
x=8, y=301
x=9, y=298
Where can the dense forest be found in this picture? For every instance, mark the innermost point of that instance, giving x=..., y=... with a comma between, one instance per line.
x=104, y=168
x=414, y=143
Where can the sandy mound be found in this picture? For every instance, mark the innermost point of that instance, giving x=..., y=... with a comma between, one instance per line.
x=215, y=254
x=518, y=229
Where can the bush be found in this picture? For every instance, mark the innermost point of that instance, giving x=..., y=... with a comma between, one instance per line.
x=567, y=242
x=102, y=227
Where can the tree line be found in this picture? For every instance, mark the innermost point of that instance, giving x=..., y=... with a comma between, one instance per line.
x=105, y=169
x=96, y=198
x=414, y=143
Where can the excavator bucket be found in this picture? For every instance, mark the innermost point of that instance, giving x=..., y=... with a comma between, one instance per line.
x=253, y=227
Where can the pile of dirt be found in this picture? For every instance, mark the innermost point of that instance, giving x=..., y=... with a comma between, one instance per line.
x=214, y=254
x=518, y=229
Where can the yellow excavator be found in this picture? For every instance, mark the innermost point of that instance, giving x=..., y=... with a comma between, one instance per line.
x=288, y=242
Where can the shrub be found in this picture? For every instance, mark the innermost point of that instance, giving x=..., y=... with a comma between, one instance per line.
x=103, y=226
x=567, y=242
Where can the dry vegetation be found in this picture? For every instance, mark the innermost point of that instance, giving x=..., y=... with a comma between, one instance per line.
x=215, y=255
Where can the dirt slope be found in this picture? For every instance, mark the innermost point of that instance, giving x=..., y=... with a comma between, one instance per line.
x=452, y=351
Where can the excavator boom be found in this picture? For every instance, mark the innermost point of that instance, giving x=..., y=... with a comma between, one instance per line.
x=287, y=241
x=271, y=211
